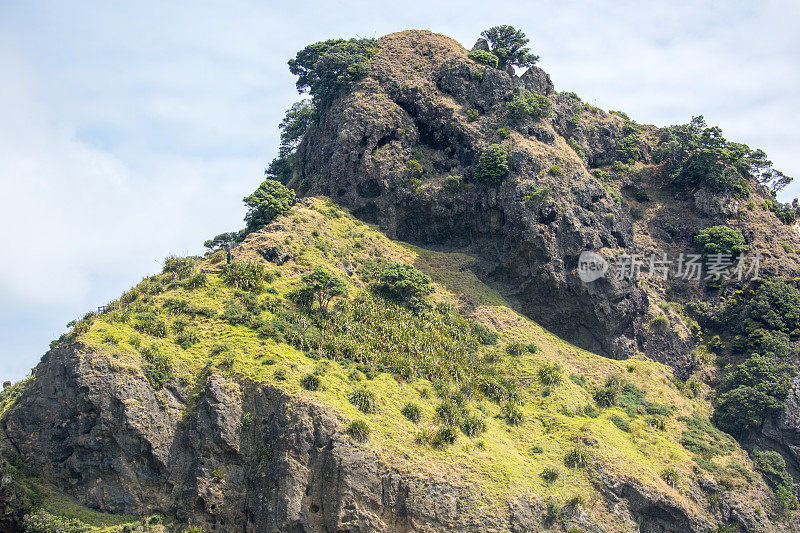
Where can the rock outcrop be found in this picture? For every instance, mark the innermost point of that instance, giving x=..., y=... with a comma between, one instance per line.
x=116, y=444
x=413, y=106
x=421, y=102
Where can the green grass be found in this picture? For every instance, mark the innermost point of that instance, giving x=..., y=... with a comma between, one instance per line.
x=479, y=413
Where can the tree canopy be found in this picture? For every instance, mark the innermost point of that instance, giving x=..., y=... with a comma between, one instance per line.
x=224, y=240
x=329, y=68
x=508, y=44
x=758, y=387
x=322, y=286
x=268, y=202
x=294, y=124
x=772, y=304
x=698, y=155
x=403, y=282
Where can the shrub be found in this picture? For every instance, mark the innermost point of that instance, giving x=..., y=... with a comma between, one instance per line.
x=363, y=399
x=576, y=458
x=772, y=304
x=414, y=168
x=606, y=396
x=755, y=389
x=763, y=372
x=575, y=145
x=555, y=171
x=382, y=335
x=403, y=283
x=110, y=338
x=508, y=44
x=531, y=105
x=483, y=57
x=550, y=374
x=578, y=380
x=181, y=267
x=187, y=338
x=452, y=183
x=151, y=324
x=473, y=425
x=485, y=336
x=492, y=166
x=446, y=435
x=512, y=414
x=590, y=411
x=720, y=240
x=311, y=382
x=412, y=411
x=515, y=349
x=271, y=200
x=43, y=522
x=627, y=148
x=220, y=347
x=358, y=430
x=196, y=281
x=703, y=439
x=538, y=196
x=448, y=413
x=743, y=409
x=219, y=475
x=503, y=133
x=657, y=422
x=786, y=213
x=772, y=466
x=552, y=511
x=245, y=275
x=550, y=474
x=621, y=423
x=670, y=476
x=329, y=68
x=659, y=322
x=473, y=115
x=575, y=501
x=236, y=313
x=157, y=367
x=536, y=449
x=785, y=501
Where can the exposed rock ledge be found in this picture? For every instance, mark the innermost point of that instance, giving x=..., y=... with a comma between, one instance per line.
x=104, y=435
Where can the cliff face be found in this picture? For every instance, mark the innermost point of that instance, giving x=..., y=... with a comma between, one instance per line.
x=425, y=101
x=109, y=439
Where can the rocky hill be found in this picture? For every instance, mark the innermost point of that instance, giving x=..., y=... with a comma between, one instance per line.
x=410, y=346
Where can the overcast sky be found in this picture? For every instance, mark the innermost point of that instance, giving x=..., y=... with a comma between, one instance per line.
x=132, y=130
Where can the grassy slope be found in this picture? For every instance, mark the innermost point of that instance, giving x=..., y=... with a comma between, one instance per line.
x=500, y=461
